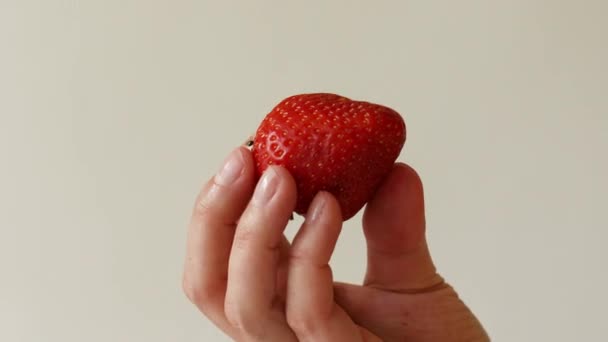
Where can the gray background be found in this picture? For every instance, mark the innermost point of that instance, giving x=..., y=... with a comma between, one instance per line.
x=113, y=113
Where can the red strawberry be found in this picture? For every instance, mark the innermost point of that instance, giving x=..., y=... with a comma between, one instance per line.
x=330, y=143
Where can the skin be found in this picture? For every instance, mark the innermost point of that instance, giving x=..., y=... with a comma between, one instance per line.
x=244, y=276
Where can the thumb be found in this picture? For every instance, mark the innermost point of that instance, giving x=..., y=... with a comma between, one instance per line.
x=398, y=257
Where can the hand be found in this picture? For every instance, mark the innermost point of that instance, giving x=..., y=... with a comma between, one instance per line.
x=243, y=274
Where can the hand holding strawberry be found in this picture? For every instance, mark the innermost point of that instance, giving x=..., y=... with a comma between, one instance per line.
x=244, y=275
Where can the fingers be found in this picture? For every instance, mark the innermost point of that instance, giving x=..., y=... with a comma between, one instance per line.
x=210, y=234
x=282, y=270
x=250, y=305
x=311, y=310
x=394, y=226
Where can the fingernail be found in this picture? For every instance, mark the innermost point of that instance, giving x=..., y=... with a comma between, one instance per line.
x=318, y=206
x=267, y=186
x=232, y=169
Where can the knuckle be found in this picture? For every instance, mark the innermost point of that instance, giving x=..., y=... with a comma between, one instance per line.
x=298, y=256
x=302, y=322
x=248, y=239
x=243, y=238
x=186, y=287
x=199, y=293
x=302, y=258
x=194, y=293
x=244, y=320
x=207, y=200
x=306, y=319
x=203, y=206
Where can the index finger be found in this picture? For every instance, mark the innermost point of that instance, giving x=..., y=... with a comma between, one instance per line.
x=211, y=231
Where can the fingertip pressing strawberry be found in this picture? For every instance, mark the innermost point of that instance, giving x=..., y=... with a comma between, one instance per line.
x=330, y=143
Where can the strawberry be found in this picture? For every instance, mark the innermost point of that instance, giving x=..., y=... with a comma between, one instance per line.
x=331, y=143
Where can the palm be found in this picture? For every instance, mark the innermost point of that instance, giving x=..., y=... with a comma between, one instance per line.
x=436, y=314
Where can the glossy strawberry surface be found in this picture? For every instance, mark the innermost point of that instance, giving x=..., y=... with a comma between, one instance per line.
x=329, y=142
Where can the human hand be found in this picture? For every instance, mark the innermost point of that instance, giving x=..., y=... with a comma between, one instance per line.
x=243, y=274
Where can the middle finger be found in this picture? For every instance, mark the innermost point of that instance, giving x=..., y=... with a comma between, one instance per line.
x=252, y=304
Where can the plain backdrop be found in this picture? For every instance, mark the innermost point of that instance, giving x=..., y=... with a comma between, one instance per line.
x=113, y=113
